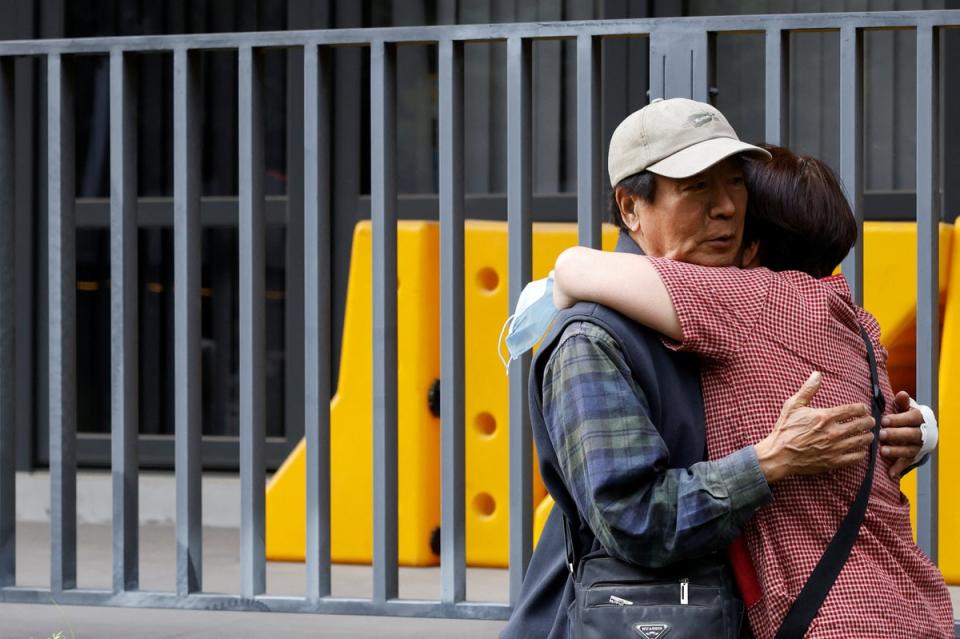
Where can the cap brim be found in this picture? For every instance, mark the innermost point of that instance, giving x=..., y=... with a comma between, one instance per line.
x=702, y=155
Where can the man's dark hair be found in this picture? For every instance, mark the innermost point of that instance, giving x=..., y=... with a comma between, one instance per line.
x=642, y=184
x=798, y=213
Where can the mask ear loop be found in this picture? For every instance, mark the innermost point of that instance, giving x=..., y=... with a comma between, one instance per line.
x=503, y=332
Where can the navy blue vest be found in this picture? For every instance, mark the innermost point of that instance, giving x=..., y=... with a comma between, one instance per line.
x=671, y=382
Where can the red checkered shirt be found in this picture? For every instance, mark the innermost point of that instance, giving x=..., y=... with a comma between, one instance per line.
x=760, y=335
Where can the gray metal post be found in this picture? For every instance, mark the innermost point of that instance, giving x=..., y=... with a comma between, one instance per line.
x=383, y=209
x=589, y=162
x=317, y=321
x=8, y=322
x=186, y=258
x=253, y=576
x=123, y=322
x=679, y=63
x=452, y=398
x=928, y=272
x=62, y=400
x=851, y=147
x=777, y=99
x=520, y=236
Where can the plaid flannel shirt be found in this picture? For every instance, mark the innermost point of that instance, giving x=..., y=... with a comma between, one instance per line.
x=616, y=463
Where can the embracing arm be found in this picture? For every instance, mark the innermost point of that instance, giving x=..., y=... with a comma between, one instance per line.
x=624, y=282
x=616, y=465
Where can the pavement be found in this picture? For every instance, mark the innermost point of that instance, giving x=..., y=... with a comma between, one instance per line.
x=221, y=548
x=30, y=621
x=221, y=573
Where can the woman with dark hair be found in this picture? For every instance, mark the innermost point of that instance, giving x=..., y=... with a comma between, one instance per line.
x=754, y=328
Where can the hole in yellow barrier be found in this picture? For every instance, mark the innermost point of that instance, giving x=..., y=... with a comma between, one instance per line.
x=486, y=424
x=484, y=504
x=487, y=279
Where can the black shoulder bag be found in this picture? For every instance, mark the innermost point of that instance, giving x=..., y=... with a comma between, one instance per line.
x=698, y=598
x=613, y=598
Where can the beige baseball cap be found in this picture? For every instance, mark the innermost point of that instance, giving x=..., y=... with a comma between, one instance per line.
x=675, y=138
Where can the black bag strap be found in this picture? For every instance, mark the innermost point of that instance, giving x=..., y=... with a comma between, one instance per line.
x=568, y=544
x=808, y=602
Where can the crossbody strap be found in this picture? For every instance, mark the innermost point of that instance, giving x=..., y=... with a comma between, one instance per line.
x=808, y=602
x=568, y=544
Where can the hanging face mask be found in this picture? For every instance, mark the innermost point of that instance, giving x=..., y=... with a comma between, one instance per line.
x=531, y=319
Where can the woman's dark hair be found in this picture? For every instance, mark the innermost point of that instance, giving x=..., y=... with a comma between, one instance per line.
x=642, y=184
x=798, y=213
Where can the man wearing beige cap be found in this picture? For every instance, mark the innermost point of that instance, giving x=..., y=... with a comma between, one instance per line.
x=618, y=418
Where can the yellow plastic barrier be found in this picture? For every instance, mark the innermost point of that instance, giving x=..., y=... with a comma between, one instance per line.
x=890, y=293
x=540, y=517
x=949, y=559
x=487, y=442
x=890, y=290
x=351, y=416
x=486, y=412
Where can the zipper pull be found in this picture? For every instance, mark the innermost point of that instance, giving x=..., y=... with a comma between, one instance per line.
x=684, y=591
x=619, y=601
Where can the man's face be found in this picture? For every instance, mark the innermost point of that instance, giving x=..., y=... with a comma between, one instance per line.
x=697, y=219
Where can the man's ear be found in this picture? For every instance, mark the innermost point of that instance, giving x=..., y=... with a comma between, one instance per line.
x=627, y=204
x=749, y=255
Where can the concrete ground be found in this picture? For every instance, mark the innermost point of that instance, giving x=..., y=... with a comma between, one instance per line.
x=221, y=574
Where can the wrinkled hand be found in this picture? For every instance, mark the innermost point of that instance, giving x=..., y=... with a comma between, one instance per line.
x=900, y=437
x=807, y=441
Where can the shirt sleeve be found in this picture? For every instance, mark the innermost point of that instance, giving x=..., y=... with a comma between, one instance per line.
x=615, y=463
x=717, y=307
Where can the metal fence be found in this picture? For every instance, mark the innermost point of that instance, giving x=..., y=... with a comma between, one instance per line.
x=680, y=63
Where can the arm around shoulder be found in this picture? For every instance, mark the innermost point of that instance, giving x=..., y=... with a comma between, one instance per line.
x=616, y=465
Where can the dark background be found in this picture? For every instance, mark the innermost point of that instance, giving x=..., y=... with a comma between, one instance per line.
x=738, y=85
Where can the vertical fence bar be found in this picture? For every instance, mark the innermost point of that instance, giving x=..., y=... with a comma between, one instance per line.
x=452, y=540
x=317, y=355
x=123, y=322
x=928, y=271
x=589, y=188
x=62, y=308
x=8, y=381
x=851, y=147
x=186, y=258
x=383, y=209
x=776, y=92
x=253, y=577
x=520, y=236
x=680, y=62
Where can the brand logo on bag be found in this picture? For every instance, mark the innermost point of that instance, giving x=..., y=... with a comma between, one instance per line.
x=651, y=630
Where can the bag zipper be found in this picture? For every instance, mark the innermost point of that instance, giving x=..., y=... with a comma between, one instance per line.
x=620, y=601
x=684, y=591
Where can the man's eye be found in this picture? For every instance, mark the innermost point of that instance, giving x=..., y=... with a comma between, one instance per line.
x=737, y=179
x=696, y=186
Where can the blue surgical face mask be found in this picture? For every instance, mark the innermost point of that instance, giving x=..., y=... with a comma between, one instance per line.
x=531, y=319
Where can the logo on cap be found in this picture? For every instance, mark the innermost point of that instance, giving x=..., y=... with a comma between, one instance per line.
x=702, y=118
x=651, y=630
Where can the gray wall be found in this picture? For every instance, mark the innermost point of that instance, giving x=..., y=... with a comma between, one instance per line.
x=814, y=75
x=889, y=81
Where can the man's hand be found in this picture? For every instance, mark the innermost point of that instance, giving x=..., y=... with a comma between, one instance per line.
x=900, y=436
x=807, y=441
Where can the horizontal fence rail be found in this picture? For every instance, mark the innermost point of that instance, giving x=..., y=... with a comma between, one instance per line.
x=681, y=60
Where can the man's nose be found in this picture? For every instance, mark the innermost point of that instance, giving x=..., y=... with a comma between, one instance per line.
x=722, y=204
